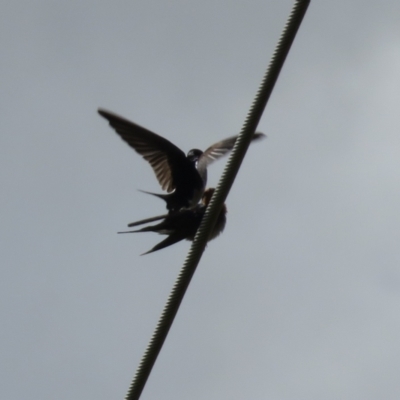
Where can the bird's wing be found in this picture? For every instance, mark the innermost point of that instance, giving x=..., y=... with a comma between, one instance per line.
x=165, y=158
x=217, y=150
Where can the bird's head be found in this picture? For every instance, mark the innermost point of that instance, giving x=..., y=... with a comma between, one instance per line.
x=194, y=155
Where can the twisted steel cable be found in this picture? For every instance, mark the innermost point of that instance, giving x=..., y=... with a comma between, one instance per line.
x=220, y=194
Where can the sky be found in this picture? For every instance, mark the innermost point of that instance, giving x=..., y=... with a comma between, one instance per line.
x=299, y=298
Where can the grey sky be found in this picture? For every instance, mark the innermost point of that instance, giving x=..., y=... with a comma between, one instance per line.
x=300, y=296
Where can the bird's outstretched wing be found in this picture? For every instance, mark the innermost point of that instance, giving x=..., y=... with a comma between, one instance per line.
x=219, y=149
x=166, y=159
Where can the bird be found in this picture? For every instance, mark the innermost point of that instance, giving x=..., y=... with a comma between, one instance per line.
x=183, y=177
x=182, y=224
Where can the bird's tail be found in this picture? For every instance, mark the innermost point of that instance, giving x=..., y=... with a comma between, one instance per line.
x=171, y=239
x=161, y=196
x=145, y=229
x=144, y=221
x=147, y=220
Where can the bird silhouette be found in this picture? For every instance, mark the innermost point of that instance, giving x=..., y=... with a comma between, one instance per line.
x=182, y=224
x=184, y=177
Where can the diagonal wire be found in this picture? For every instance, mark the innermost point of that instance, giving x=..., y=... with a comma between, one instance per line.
x=220, y=194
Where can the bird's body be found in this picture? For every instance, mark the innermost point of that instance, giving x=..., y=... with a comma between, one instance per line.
x=182, y=224
x=184, y=177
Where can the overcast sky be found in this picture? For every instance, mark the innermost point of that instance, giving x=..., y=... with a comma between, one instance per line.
x=299, y=298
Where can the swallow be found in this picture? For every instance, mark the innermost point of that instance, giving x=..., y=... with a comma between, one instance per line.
x=184, y=177
x=182, y=224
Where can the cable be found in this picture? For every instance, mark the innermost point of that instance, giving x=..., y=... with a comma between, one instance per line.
x=220, y=194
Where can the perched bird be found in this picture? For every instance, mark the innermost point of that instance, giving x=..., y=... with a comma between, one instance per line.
x=182, y=224
x=183, y=175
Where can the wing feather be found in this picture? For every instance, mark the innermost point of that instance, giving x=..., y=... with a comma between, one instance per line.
x=164, y=157
x=219, y=149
